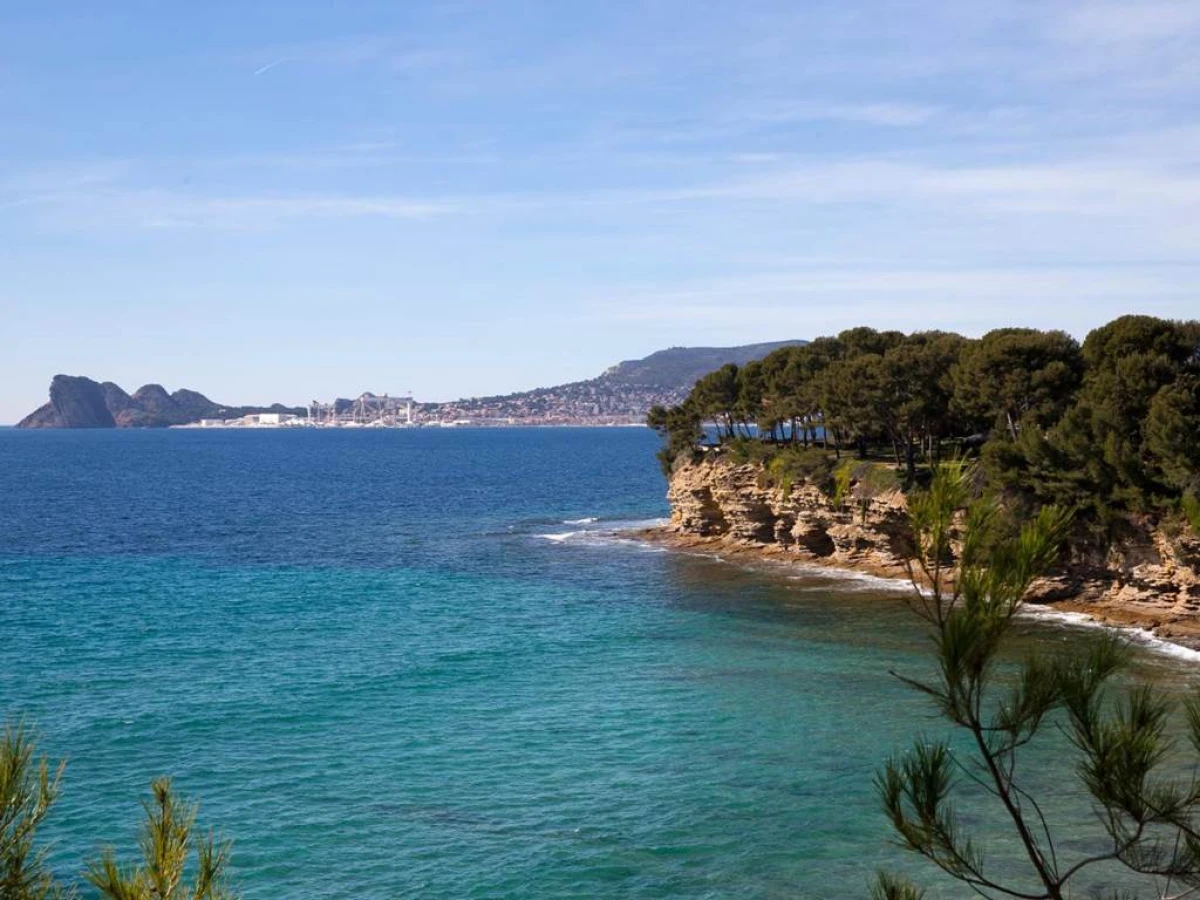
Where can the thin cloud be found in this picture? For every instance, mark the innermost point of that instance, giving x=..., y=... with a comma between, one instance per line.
x=269, y=66
x=150, y=209
x=1128, y=23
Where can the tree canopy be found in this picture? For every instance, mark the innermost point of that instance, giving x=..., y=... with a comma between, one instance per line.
x=1112, y=425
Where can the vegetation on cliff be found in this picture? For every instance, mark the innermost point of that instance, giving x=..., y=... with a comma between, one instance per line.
x=1111, y=426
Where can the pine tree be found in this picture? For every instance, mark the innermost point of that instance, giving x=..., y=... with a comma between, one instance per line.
x=166, y=843
x=28, y=788
x=974, y=570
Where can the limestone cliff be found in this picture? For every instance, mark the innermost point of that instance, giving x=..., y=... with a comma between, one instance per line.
x=1148, y=576
x=719, y=499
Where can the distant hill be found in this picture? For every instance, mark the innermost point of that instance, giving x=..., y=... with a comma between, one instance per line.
x=680, y=367
x=622, y=394
x=78, y=402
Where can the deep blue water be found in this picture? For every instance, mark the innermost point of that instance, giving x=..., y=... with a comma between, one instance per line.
x=397, y=664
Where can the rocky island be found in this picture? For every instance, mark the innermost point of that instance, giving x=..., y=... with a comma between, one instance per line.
x=808, y=456
x=78, y=402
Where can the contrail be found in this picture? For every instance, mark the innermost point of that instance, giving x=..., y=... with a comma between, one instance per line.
x=269, y=66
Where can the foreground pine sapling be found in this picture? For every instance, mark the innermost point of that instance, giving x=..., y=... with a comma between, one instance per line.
x=28, y=788
x=166, y=842
x=972, y=568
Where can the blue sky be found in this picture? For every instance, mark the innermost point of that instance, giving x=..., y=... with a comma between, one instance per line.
x=287, y=200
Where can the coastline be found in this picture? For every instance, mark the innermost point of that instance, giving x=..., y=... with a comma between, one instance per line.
x=1153, y=626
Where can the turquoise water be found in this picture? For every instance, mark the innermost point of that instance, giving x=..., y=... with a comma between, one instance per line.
x=400, y=664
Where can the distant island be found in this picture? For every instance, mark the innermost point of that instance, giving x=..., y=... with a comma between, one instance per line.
x=78, y=402
x=622, y=395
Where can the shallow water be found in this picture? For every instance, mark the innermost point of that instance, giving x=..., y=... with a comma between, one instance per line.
x=421, y=664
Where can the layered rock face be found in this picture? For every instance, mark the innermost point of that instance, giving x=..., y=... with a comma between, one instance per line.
x=1149, y=576
x=719, y=500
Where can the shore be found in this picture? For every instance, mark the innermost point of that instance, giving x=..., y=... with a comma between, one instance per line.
x=1162, y=620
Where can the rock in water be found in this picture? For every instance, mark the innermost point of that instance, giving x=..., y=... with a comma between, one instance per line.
x=77, y=402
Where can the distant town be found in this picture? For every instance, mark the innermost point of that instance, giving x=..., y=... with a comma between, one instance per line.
x=582, y=403
x=621, y=395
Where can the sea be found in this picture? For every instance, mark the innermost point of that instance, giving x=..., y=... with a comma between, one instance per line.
x=435, y=664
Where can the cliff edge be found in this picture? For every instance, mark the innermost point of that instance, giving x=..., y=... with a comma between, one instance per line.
x=1147, y=577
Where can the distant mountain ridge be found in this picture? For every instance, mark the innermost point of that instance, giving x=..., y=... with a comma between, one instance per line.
x=622, y=394
x=78, y=402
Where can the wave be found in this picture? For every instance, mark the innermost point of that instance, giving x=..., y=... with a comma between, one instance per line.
x=561, y=536
x=615, y=532
x=620, y=532
x=625, y=525
x=1133, y=634
x=851, y=578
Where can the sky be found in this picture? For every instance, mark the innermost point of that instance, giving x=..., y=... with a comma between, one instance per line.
x=289, y=199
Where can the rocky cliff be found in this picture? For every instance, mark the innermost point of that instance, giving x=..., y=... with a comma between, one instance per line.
x=77, y=402
x=1148, y=576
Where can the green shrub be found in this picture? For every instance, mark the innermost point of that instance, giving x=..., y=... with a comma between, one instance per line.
x=1191, y=511
x=749, y=450
x=785, y=466
x=843, y=478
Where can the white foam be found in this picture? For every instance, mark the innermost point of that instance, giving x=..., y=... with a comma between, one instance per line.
x=624, y=533
x=624, y=526
x=617, y=532
x=1135, y=635
x=561, y=536
x=832, y=573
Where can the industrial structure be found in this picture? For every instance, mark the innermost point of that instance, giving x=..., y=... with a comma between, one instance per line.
x=367, y=411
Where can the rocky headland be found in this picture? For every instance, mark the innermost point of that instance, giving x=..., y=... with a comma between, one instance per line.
x=1147, y=577
x=78, y=402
